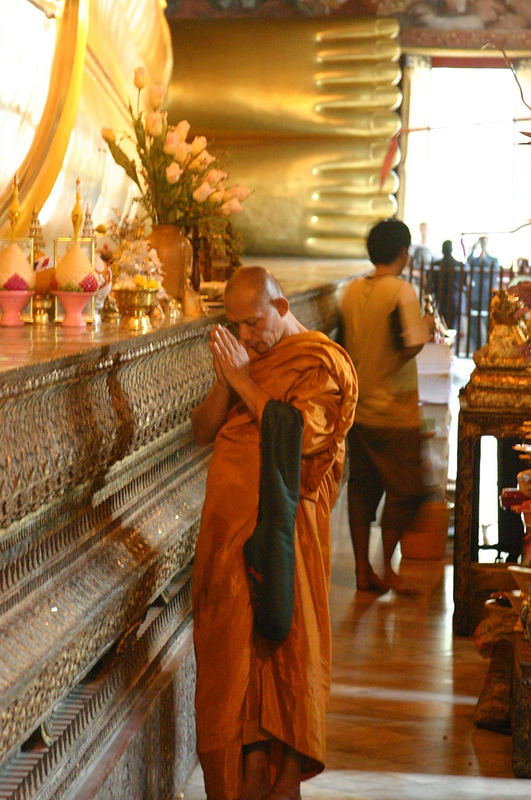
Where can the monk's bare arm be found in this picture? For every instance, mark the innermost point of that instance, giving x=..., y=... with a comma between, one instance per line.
x=211, y=414
x=251, y=394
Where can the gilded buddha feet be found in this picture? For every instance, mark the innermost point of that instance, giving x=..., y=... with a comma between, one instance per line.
x=303, y=110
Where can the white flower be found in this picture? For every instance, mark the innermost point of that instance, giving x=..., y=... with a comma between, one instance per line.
x=135, y=258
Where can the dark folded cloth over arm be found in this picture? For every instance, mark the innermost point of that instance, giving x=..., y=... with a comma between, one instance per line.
x=270, y=550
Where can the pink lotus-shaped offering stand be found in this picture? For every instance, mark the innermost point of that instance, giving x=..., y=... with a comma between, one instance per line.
x=73, y=304
x=12, y=301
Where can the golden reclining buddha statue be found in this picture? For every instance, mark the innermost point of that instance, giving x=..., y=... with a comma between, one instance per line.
x=301, y=110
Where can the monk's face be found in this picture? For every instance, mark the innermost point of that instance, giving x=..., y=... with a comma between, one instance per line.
x=260, y=326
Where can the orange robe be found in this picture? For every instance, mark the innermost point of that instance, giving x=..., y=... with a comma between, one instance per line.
x=249, y=688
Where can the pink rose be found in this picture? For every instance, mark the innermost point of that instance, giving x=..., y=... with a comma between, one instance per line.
x=140, y=79
x=231, y=206
x=202, y=192
x=173, y=172
x=199, y=143
x=156, y=96
x=154, y=123
x=183, y=128
x=181, y=152
x=243, y=193
x=194, y=165
x=215, y=176
x=201, y=161
x=239, y=192
x=173, y=140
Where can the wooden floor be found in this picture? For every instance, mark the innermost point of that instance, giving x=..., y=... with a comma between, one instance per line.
x=403, y=694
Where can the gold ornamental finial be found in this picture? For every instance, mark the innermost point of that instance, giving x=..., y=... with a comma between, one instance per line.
x=14, y=208
x=88, y=226
x=35, y=233
x=77, y=212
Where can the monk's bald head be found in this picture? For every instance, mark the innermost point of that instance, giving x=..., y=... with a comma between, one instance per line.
x=255, y=302
x=256, y=282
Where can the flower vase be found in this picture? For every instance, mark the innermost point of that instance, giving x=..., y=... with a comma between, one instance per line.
x=195, y=275
x=207, y=259
x=175, y=253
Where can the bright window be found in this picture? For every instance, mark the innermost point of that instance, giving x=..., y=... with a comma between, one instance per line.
x=464, y=171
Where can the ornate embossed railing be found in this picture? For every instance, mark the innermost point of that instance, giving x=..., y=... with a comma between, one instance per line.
x=101, y=488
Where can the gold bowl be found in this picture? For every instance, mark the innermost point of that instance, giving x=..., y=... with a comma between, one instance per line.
x=135, y=306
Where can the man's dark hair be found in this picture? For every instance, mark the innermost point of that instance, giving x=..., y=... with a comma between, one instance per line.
x=386, y=239
x=447, y=247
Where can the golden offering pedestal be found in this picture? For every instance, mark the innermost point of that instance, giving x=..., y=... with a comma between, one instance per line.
x=135, y=306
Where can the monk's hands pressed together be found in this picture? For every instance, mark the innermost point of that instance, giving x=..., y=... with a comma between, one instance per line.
x=231, y=360
x=217, y=366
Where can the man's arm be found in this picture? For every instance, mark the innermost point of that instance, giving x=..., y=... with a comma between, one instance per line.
x=416, y=329
x=211, y=414
x=411, y=352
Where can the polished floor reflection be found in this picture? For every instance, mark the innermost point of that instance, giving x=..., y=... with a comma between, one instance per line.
x=400, y=724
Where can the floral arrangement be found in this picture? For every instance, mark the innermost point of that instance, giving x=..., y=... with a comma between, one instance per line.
x=136, y=265
x=180, y=182
x=132, y=262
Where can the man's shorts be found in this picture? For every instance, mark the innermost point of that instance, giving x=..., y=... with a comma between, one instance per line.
x=385, y=460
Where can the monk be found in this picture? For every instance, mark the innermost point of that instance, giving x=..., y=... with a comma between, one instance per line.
x=260, y=704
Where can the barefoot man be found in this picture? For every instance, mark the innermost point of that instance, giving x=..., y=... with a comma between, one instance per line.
x=383, y=332
x=260, y=704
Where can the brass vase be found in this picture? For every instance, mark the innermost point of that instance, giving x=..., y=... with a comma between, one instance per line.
x=175, y=252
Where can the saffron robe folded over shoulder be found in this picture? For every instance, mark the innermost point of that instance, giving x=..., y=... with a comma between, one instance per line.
x=249, y=688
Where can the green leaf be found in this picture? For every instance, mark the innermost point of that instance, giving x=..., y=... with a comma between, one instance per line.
x=123, y=161
x=140, y=133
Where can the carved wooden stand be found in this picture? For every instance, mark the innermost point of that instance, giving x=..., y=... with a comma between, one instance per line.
x=496, y=402
x=521, y=707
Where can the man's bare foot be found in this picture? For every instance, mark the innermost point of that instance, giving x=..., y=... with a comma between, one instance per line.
x=369, y=581
x=277, y=793
x=256, y=783
x=257, y=791
x=398, y=584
